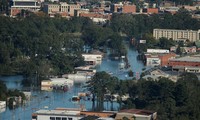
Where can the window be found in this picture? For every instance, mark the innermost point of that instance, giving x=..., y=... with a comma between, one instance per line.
x=58, y=118
x=70, y=118
x=52, y=118
x=64, y=118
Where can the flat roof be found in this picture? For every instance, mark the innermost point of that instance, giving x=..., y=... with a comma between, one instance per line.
x=58, y=112
x=137, y=111
x=187, y=59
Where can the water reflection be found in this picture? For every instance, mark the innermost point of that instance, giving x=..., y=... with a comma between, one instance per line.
x=12, y=82
x=112, y=66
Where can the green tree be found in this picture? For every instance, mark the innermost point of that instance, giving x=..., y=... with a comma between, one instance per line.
x=99, y=85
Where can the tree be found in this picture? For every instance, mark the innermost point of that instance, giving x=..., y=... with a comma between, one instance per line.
x=165, y=43
x=99, y=85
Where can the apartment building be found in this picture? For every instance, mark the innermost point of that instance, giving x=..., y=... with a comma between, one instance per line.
x=177, y=34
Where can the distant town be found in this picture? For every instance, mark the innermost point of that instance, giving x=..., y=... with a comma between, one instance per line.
x=57, y=45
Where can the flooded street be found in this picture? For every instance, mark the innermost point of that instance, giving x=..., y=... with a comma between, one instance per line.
x=60, y=99
x=112, y=66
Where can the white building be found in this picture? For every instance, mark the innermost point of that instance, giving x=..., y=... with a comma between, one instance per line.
x=157, y=51
x=18, y=5
x=93, y=59
x=2, y=106
x=80, y=77
x=56, y=115
x=49, y=84
x=62, y=82
x=177, y=34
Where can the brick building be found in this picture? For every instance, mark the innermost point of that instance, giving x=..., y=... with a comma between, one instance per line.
x=189, y=61
x=164, y=58
x=150, y=10
x=129, y=9
x=159, y=59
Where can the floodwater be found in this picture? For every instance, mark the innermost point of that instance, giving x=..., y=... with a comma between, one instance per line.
x=112, y=66
x=56, y=99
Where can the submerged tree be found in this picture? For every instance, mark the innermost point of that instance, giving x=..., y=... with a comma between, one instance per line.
x=100, y=84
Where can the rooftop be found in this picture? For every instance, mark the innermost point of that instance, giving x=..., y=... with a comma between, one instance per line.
x=187, y=59
x=137, y=111
x=58, y=112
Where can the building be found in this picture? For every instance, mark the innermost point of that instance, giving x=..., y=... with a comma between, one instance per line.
x=187, y=50
x=56, y=83
x=155, y=74
x=129, y=9
x=80, y=11
x=177, y=35
x=97, y=17
x=70, y=114
x=18, y=5
x=46, y=85
x=51, y=9
x=116, y=7
x=186, y=64
x=136, y=114
x=61, y=8
x=152, y=60
x=79, y=114
x=150, y=10
x=164, y=58
x=2, y=106
x=72, y=7
x=157, y=51
x=158, y=59
x=57, y=115
x=93, y=58
x=171, y=9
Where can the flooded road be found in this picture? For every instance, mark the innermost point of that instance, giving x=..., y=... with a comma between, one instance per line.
x=112, y=66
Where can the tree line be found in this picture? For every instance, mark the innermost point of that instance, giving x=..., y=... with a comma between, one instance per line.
x=50, y=46
x=138, y=25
